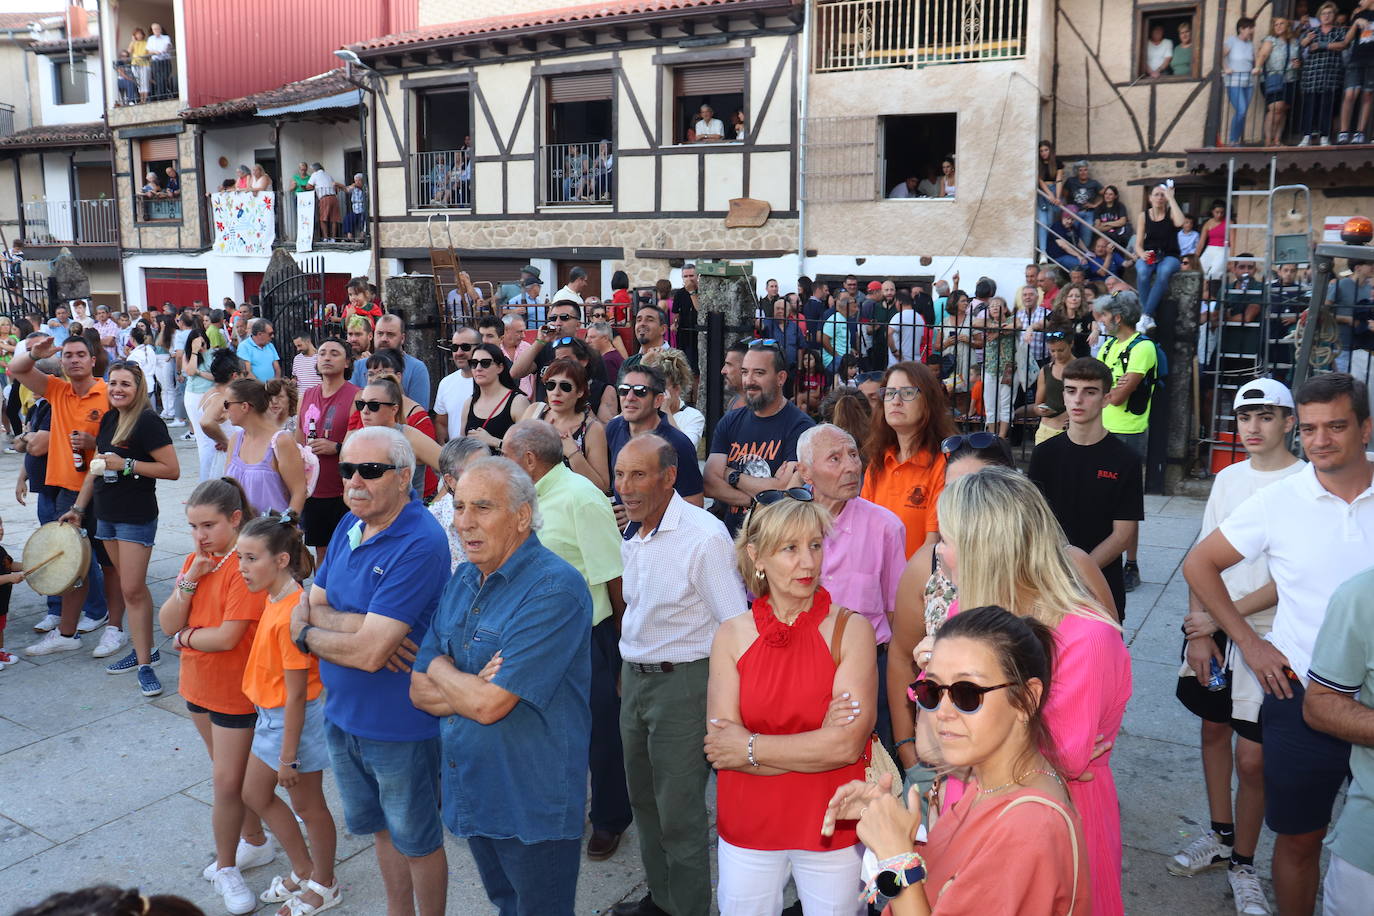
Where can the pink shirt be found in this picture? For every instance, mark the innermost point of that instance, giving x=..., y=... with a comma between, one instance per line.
x=526, y=384
x=864, y=558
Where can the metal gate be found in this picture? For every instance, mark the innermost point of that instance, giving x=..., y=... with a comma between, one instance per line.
x=295, y=306
x=23, y=292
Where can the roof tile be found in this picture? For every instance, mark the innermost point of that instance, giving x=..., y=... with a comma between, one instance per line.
x=93, y=133
x=321, y=86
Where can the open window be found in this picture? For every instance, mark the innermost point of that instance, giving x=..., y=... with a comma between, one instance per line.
x=708, y=104
x=441, y=168
x=579, y=153
x=69, y=81
x=153, y=200
x=915, y=148
x=1168, y=41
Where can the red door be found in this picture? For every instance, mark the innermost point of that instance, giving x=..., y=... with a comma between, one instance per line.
x=181, y=287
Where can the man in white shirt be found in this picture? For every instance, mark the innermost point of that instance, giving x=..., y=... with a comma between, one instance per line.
x=904, y=332
x=455, y=388
x=1315, y=529
x=905, y=189
x=577, y=286
x=708, y=128
x=326, y=202
x=665, y=641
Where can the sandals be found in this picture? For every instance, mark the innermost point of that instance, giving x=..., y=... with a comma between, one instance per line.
x=278, y=892
x=331, y=896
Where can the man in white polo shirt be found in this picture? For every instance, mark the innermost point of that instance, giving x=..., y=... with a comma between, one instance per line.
x=1315, y=529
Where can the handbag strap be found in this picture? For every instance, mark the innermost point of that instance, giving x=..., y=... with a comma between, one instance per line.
x=1068, y=822
x=837, y=635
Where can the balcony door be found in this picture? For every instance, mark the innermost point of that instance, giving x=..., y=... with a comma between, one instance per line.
x=580, y=136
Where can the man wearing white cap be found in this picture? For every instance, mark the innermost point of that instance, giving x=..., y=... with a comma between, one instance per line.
x=1227, y=697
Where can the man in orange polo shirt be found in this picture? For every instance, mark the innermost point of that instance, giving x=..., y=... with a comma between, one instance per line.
x=78, y=402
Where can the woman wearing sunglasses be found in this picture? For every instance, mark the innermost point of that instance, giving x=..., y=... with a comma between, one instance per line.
x=1013, y=843
x=567, y=410
x=600, y=395
x=790, y=705
x=1032, y=576
x=273, y=477
x=381, y=404
x=496, y=403
x=905, y=469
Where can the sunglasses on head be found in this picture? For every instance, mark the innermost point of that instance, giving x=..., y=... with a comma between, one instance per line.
x=127, y=366
x=966, y=695
x=1056, y=335
x=979, y=440
x=482, y=363
x=367, y=470
x=372, y=406
x=563, y=342
x=561, y=385
x=765, y=342
x=639, y=391
x=868, y=377
x=905, y=393
x=768, y=497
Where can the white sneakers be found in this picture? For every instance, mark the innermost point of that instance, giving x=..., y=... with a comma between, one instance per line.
x=1249, y=895
x=53, y=643
x=1204, y=853
x=111, y=641
x=47, y=624
x=246, y=856
x=229, y=884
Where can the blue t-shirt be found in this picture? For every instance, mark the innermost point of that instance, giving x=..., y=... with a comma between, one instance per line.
x=393, y=574
x=536, y=610
x=757, y=446
x=689, y=481
x=259, y=359
x=415, y=381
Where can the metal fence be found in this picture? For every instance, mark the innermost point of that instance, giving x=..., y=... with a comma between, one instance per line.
x=441, y=179
x=157, y=209
x=6, y=119
x=1295, y=116
x=869, y=34
x=72, y=222
x=577, y=173
x=155, y=81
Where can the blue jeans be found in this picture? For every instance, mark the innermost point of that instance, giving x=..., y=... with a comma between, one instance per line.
x=1239, y=97
x=539, y=879
x=391, y=786
x=1046, y=215
x=1153, y=281
x=95, y=606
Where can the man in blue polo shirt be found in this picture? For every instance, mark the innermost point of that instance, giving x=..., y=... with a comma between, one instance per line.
x=259, y=352
x=370, y=606
x=641, y=393
x=507, y=665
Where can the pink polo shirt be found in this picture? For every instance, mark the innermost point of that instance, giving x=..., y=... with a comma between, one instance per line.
x=864, y=558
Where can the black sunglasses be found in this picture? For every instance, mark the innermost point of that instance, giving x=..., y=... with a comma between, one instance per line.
x=966, y=695
x=979, y=440
x=368, y=470
x=598, y=314
x=561, y=385
x=765, y=342
x=482, y=363
x=464, y=347
x=372, y=406
x=562, y=316
x=639, y=391
x=768, y=497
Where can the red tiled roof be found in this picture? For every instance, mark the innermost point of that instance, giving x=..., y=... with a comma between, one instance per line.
x=89, y=43
x=15, y=21
x=570, y=16
x=93, y=133
x=314, y=87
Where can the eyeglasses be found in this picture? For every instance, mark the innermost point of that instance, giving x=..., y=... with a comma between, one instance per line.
x=639, y=391
x=863, y=377
x=482, y=363
x=232, y=403
x=368, y=470
x=564, y=342
x=562, y=316
x=768, y=497
x=966, y=695
x=905, y=393
x=978, y=440
x=561, y=385
x=372, y=406
x=598, y=314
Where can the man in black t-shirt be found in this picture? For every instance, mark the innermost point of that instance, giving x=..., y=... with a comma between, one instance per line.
x=1090, y=478
x=755, y=446
x=685, y=308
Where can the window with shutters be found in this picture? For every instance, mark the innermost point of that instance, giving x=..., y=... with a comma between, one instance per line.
x=154, y=201
x=579, y=142
x=708, y=104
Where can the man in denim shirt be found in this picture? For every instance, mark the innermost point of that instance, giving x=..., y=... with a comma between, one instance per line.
x=507, y=667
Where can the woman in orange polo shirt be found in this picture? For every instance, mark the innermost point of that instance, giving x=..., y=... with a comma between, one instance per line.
x=906, y=471
x=288, y=742
x=214, y=617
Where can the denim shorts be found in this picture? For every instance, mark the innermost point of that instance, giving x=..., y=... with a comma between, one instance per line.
x=311, y=750
x=1359, y=77
x=133, y=532
x=391, y=786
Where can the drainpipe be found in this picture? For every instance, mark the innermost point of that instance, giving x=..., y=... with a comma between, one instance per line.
x=804, y=55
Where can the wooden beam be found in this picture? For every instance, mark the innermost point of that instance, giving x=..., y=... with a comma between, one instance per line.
x=619, y=33
x=471, y=52
x=445, y=55
x=394, y=61
x=500, y=47
x=529, y=44
x=655, y=29
x=687, y=27
x=418, y=58
x=758, y=19
x=795, y=15
x=588, y=36
x=721, y=23
x=558, y=40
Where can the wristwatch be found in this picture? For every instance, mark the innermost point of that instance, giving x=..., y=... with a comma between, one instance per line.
x=300, y=640
x=890, y=883
x=733, y=478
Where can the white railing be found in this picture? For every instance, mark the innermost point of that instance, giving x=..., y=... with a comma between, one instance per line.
x=868, y=34
x=71, y=222
x=577, y=173
x=441, y=178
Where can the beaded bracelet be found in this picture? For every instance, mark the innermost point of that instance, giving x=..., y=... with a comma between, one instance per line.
x=188, y=586
x=750, y=751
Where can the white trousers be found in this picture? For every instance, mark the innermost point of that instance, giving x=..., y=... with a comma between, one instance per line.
x=752, y=880
x=1347, y=890
x=211, y=459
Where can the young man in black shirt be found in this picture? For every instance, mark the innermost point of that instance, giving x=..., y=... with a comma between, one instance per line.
x=1090, y=478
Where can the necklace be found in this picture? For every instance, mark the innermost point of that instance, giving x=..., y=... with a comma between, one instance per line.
x=287, y=589
x=1018, y=781
x=223, y=560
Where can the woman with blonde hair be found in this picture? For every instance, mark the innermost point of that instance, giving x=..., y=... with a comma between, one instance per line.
x=790, y=707
x=1031, y=575
x=680, y=381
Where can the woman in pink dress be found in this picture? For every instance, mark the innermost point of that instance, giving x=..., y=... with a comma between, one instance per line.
x=1030, y=575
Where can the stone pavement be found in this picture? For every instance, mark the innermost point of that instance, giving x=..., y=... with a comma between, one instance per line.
x=101, y=785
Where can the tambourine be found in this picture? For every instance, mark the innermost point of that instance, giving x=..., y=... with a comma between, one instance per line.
x=56, y=558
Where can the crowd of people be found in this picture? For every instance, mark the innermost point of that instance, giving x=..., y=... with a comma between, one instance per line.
x=892, y=693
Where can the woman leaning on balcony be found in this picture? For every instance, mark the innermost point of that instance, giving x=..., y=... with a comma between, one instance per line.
x=142, y=62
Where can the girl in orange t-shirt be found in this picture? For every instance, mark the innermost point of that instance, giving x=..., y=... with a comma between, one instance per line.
x=288, y=744
x=213, y=617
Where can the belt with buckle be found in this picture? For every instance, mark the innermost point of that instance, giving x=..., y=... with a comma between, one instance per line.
x=660, y=668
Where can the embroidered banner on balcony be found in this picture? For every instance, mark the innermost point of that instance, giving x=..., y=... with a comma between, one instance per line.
x=305, y=221
x=245, y=223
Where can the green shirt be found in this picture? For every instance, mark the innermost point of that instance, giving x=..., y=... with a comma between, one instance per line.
x=579, y=526
x=1343, y=660
x=1181, y=64
x=217, y=338
x=1143, y=358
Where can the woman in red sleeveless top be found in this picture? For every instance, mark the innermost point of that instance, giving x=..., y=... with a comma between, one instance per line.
x=791, y=712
